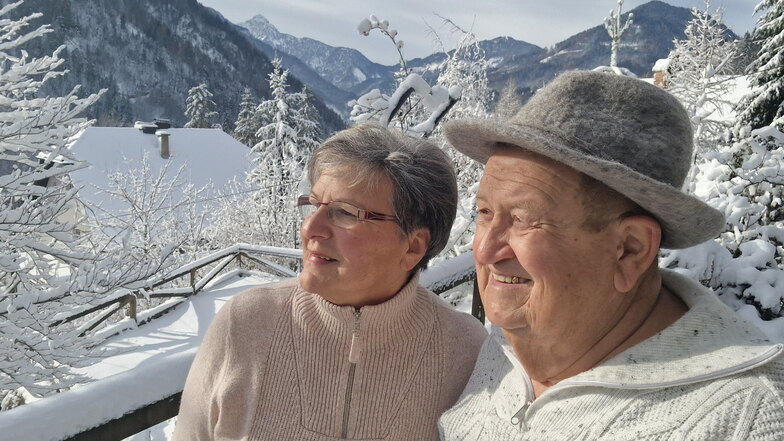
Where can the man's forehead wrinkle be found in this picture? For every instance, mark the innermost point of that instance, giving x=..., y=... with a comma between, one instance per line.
x=522, y=181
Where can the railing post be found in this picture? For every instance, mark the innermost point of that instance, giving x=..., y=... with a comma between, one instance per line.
x=132, y=307
x=477, y=309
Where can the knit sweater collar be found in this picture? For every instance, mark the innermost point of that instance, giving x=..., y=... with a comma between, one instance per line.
x=709, y=341
x=404, y=313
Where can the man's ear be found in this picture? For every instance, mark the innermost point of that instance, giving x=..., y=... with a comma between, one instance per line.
x=637, y=250
x=418, y=241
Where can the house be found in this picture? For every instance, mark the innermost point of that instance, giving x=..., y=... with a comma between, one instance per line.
x=208, y=157
x=660, y=69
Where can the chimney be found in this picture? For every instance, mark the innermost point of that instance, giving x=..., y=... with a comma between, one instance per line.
x=163, y=142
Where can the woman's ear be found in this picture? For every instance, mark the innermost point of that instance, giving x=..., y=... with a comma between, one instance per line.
x=637, y=250
x=418, y=241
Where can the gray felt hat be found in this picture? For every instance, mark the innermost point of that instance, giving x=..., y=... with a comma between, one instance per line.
x=632, y=136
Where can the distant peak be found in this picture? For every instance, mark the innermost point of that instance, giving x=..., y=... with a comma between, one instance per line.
x=259, y=21
x=258, y=18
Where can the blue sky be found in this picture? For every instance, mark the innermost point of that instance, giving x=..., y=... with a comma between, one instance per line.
x=541, y=22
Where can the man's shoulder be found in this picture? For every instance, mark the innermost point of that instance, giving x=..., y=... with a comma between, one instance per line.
x=771, y=378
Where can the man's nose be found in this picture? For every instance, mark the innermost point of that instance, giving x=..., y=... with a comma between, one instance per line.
x=491, y=244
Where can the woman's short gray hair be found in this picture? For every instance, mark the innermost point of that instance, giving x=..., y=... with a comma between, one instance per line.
x=424, y=189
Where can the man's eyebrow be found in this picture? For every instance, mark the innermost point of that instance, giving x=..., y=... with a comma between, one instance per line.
x=518, y=203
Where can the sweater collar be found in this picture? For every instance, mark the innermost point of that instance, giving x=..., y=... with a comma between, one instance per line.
x=710, y=341
x=402, y=311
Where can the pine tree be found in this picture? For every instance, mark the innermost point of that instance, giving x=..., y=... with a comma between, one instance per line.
x=308, y=128
x=244, y=130
x=282, y=154
x=40, y=249
x=698, y=69
x=200, y=108
x=765, y=105
x=509, y=101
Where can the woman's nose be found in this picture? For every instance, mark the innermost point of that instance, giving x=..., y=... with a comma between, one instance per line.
x=317, y=225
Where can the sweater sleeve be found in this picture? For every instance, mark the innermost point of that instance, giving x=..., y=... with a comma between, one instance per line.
x=199, y=407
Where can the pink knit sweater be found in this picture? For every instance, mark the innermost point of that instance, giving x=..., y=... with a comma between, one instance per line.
x=280, y=363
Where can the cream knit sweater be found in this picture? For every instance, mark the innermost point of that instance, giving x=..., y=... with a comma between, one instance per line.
x=279, y=363
x=708, y=376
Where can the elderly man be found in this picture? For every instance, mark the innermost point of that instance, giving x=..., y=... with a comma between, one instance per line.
x=593, y=340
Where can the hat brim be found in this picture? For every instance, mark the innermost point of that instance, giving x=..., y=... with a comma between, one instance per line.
x=685, y=220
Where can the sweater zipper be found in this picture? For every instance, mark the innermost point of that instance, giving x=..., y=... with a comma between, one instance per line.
x=354, y=353
x=746, y=365
x=518, y=419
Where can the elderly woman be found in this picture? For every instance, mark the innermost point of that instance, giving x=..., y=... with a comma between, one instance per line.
x=354, y=348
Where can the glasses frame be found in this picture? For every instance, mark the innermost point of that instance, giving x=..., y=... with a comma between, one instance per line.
x=361, y=214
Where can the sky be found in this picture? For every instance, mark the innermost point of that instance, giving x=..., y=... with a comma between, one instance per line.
x=541, y=22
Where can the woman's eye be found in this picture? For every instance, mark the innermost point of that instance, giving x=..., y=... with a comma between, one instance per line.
x=341, y=213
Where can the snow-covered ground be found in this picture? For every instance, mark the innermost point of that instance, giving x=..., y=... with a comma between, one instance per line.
x=140, y=366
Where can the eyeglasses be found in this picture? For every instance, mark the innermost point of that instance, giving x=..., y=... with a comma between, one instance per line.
x=343, y=214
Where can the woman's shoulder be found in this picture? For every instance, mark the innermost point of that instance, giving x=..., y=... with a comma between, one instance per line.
x=261, y=301
x=275, y=291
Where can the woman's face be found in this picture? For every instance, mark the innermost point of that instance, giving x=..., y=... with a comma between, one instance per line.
x=363, y=264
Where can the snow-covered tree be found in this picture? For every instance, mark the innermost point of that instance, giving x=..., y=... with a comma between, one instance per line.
x=745, y=181
x=414, y=107
x=244, y=129
x=287, y=136
x=308, y=128
x=200, y=108
x=615, y=30
x=157, y=225
x=39, y=246
x=698, y=77
x=509, y=101
x=765, y=105
x=465, y=68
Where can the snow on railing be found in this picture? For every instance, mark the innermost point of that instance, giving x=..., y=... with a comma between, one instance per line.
x=129, y=402
x=116, y=301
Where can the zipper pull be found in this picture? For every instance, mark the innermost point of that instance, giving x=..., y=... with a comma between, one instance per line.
x=518, y=419
x=355, y=353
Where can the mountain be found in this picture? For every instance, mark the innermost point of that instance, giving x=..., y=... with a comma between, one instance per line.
x=329, y=61
x=148, y=53
x=655, y=25
x=351, y=71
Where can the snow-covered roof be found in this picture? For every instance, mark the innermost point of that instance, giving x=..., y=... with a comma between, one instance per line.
x=208, y=155
x=661, y=65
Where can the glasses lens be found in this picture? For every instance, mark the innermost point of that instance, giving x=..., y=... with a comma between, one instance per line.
x=305, y=206
x=343, y=215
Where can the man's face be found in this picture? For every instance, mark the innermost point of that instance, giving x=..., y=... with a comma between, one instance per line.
x=541, y=273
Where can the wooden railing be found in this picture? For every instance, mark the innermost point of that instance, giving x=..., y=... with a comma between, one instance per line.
x=220, y=259
x=440, y=278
